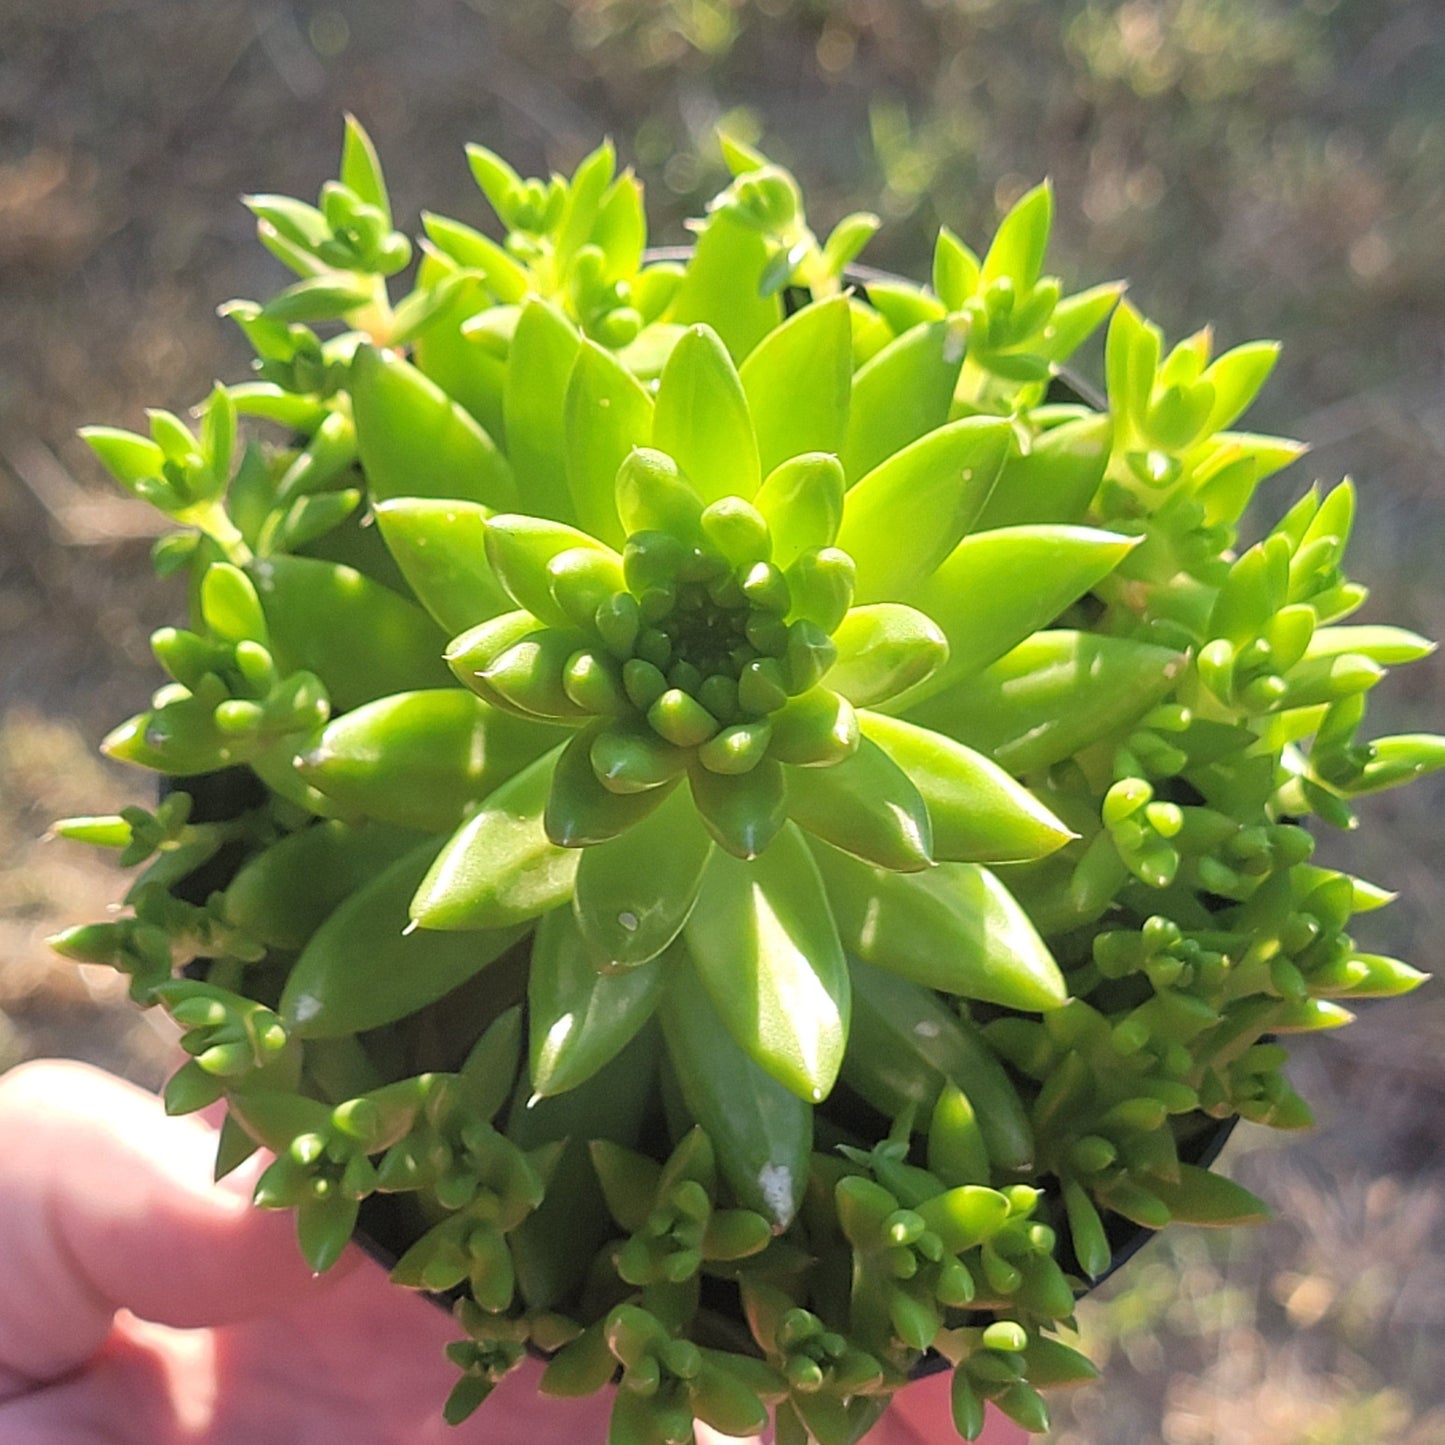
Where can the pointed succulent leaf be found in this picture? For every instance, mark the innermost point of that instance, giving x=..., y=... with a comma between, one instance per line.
x=1235, y=379
x=415, y=441
x=489, y=1072
x=1388, y=646
x=1131, y=361
x=1055, y=480
x=579, y=1018
x=607, y=412
x=901, y=394
x=996, y=589
x=505, y=278
x=520, y=667
x=581, y=810
x=361, y=170
x=816, y=342
x=1022, y=239
x=327, y=297
x=978, y=813
x=885, y=649
x=1051, y=696
x=1075, y=318
x=802, y=500
x=904, y=1044
x=500, y=867
x=634, y=893
x=957, y=1153
x=955, y=270
x=907, y=514
x=362, y=640
x=421, y=759
x=763, y=941
x=474, y=651
x=702, y=421
x=821, y=583
x=743, y=812
x=954, y=928
x=440, y=546
x=652, y=495
x=366, y=966
x=900, y=305
x=815, y=729
x=868, y=806
x=761, y=1131
x=543, y=353
x=1201, y=1196
x=723, y=287
x=522, y=548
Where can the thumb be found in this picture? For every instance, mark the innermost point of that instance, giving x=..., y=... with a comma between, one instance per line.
x=105, y=1203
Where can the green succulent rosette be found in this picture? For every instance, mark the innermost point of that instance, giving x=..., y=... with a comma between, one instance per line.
x=732, y=784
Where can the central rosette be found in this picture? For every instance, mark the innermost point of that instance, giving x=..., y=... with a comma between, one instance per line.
x=701, y=649
x=718, y=647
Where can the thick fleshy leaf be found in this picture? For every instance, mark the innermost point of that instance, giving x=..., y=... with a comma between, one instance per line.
x=415, y=441
x=361, y=170
x=522, y=548
x=500, y=867
x=997, y=588
x=904, y=1043
x=815, y=729
x=652, y=495
x=579, y=1019
x=743, y=812
x=469, y=372
x=816, y=342
x=367, y=966
x=723, y=285
x=554, y=1246
x=422, y=759
x=902, y=393
x=544, y=350
x=802, y=500
x=1055, y=480
x=607, y=413
x=581, y=811
x=701, y=419
x=527, y=675
x=284, y=894
x=954, y=928
x=761, y=1132
x=1018, y=247
x=979, y=814
x=1052, y=696
x=885, y=649
x=868, y=806
x=475, y=650
x=361, y=639
x=440, y=547
x=764, y=944
x=634, y=893
x=1389, y=646
x=1200, y=1196
x=903, y=518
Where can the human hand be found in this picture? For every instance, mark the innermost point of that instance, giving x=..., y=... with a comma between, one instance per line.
x=141, y=1304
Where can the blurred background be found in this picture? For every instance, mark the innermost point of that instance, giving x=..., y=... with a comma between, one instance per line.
x=1275, y=167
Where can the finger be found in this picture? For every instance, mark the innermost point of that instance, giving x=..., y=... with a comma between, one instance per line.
x=104, y=1203
x=123, y=1398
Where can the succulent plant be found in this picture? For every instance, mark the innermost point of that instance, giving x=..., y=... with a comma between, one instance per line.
x=765, y=823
